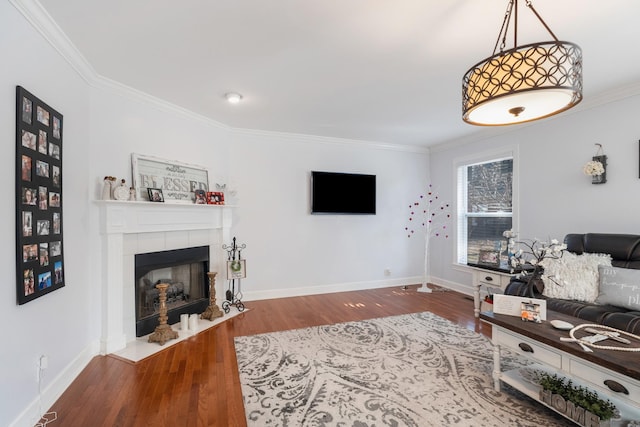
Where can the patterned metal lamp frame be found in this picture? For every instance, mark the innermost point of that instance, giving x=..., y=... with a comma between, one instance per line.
x=525, y=83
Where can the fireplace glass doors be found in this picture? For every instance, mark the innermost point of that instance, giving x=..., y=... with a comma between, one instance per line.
x=185, y=271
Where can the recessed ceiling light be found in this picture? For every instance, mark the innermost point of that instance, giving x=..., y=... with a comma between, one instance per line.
x=233, y=97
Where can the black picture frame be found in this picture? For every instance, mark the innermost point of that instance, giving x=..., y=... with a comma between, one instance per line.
x=155, y=195
x=39, y=222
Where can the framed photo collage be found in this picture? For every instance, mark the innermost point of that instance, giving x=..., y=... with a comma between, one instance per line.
x=39, y=243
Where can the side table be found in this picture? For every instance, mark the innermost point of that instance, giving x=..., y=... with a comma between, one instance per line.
x=497, y=278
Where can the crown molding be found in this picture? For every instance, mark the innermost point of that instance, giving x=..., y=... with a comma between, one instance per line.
x=40, y=19
x=143, y=97
x=100, y=82
x=317, y=139
x=612, y=95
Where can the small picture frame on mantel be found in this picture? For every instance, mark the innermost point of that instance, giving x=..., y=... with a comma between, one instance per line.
x=215, y=198
x=155, y=194
x=201, y=197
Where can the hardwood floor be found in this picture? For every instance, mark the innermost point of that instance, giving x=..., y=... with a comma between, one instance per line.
x=195, y=382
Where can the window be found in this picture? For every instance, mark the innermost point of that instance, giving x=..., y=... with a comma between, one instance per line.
x=485, y=207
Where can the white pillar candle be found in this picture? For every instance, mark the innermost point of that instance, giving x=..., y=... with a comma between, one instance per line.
x=184, y=322
x=193, y=322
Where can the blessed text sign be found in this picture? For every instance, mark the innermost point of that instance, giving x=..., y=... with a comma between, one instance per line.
x=178, y=181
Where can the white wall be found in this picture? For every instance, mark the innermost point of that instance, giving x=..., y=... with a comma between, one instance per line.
x=58, y=324
x=555, y=197
x=289, y=251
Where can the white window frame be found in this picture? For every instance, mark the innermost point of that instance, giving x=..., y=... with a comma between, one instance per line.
x=460, y=184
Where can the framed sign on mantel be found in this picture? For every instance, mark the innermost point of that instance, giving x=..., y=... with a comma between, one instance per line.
x=39, y=244
x=178, y=181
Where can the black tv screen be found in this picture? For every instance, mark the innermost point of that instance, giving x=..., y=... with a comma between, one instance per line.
x=342, y=193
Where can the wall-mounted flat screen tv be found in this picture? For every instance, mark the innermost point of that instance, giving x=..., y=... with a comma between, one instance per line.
x=343, y=193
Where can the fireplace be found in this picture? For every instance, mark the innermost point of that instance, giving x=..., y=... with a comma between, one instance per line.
x=132, y=228
x=185, y=271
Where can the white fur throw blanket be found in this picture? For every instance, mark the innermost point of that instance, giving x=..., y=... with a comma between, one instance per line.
x=573, y=277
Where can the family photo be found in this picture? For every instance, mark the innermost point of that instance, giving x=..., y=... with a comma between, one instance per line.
x=39, y=191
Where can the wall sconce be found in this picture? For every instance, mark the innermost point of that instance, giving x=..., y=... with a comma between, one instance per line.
x=597, y=167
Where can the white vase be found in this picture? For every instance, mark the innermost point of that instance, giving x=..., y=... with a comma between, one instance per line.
x=106, y=190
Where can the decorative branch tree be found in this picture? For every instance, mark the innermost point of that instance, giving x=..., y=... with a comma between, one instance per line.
x=430, y=215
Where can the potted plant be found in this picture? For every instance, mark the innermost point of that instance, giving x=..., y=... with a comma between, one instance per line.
x=578, y=395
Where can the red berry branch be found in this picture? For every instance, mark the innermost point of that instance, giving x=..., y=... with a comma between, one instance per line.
x=432, y=215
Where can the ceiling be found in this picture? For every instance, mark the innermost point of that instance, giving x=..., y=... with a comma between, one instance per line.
x=386, y=71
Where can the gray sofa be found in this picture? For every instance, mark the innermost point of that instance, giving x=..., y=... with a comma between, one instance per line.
x=625, y=253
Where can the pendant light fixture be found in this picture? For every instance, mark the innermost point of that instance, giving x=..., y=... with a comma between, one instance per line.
x=525, y=83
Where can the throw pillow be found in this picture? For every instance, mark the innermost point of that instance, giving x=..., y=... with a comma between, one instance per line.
x=573, y=277
x=620, y=287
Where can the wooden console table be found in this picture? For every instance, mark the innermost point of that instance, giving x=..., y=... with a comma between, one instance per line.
x=602, y=371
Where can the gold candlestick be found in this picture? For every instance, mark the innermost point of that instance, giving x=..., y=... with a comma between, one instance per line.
x=213, y=311
x=163, y=331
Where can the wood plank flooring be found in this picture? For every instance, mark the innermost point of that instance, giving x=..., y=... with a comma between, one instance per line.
x=195, y=382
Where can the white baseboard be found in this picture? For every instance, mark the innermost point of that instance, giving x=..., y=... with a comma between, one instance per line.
x=52, y=392
x=454, y=286
x=328, y=289
x=353, y=286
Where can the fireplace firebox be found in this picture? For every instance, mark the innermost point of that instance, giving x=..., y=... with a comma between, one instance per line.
x=185, y=271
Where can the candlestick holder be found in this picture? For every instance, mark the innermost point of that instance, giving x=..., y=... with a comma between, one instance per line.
x=212, y=311
x=163, y=331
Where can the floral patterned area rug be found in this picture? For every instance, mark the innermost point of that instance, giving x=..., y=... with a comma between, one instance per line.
x=409, y=370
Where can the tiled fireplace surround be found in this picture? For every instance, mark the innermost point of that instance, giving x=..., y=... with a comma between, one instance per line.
x=130, y=228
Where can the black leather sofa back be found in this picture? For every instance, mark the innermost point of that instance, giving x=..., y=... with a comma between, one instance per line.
x=623, y=248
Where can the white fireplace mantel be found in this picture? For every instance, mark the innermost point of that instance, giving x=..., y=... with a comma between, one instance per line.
x=129, y=228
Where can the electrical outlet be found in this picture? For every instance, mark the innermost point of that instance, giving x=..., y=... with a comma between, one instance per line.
x=41, y=364
x=387, y=272
x=44, y=362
